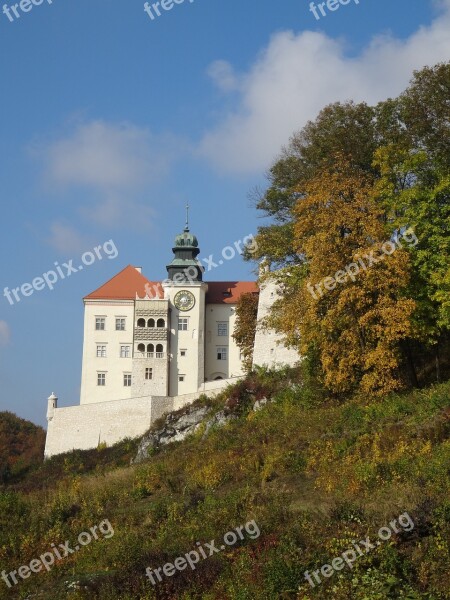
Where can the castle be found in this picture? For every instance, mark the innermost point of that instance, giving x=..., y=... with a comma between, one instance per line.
x=150, y=348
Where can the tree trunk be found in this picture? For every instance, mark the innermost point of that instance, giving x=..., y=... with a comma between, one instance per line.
x=438, y=364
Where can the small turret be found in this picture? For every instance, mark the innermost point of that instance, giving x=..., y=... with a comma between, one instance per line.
x=51, y=406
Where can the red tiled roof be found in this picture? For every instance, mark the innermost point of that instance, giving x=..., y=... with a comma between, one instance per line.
x=129, y=282
x=229, y=292
x=123, y=286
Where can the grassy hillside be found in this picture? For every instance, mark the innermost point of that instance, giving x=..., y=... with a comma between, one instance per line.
x=314, y=474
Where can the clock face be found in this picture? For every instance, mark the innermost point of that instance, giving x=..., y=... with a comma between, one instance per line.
x=184, y=300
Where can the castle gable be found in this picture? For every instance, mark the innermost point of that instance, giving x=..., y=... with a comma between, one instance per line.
x=123, y=286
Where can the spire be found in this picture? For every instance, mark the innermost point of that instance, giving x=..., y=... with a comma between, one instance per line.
x=186, y=229
x=185, y=265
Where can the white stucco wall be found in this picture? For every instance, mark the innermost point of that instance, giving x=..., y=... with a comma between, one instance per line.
x=269, y=348
x=113, y=365
x=232, y=367
x=85, y=427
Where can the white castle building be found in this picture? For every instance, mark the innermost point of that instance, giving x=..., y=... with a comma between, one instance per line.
x=150, y=348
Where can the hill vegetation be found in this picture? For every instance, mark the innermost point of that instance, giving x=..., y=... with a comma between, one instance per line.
x=21, y=447
x=313, y=473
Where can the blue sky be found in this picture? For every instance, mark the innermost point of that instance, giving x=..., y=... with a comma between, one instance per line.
x=111, y=121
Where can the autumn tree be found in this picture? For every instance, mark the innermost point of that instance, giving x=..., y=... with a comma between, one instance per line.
x=245, y=327
x=399, y=153
x=355, y=326
x=348, y=129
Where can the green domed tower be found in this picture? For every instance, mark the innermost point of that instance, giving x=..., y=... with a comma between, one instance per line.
x=185, y=266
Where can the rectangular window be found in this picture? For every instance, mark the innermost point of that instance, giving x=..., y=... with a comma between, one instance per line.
x=222, y=353
x=100, y=323
x=101, y=351
x=120, y=324
x=183, y=352
x=125, y=351
x=181, y=377
x=127, y=379
x=183, y=323
x=101, y=379
x=222, y=329
x=148, y=373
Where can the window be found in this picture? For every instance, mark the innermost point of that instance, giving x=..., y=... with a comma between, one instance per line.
x=141, y=348
x=101, y=379
x=151, y=323
x=222, y=329
x=148, y=373
x=150, y=349
x=181, y=377
x=183, y=352
x=100, y=323
x=161, y=323
x=101, y=351
x=120, y=324
x=127, y=379
x=183, y=323
x=159, y=351
x=222, y=353
x=124, y=351
x=141, y=323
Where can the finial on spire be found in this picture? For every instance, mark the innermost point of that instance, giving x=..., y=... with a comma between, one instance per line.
x=187, y=217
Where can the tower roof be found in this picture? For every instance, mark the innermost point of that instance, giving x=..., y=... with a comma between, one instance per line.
x=123, y=286
x=186, y=240
x=184, y=265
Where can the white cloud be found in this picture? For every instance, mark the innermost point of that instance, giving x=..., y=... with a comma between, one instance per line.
x=104, y=156
x=112, y=164
x=223, y=75
x=65, y=239
x=4, y=333
x=297, y=75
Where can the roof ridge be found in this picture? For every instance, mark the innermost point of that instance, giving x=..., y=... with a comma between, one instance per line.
x=114, y=277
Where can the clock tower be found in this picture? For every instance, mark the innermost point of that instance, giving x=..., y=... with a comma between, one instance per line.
x=186, y=293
